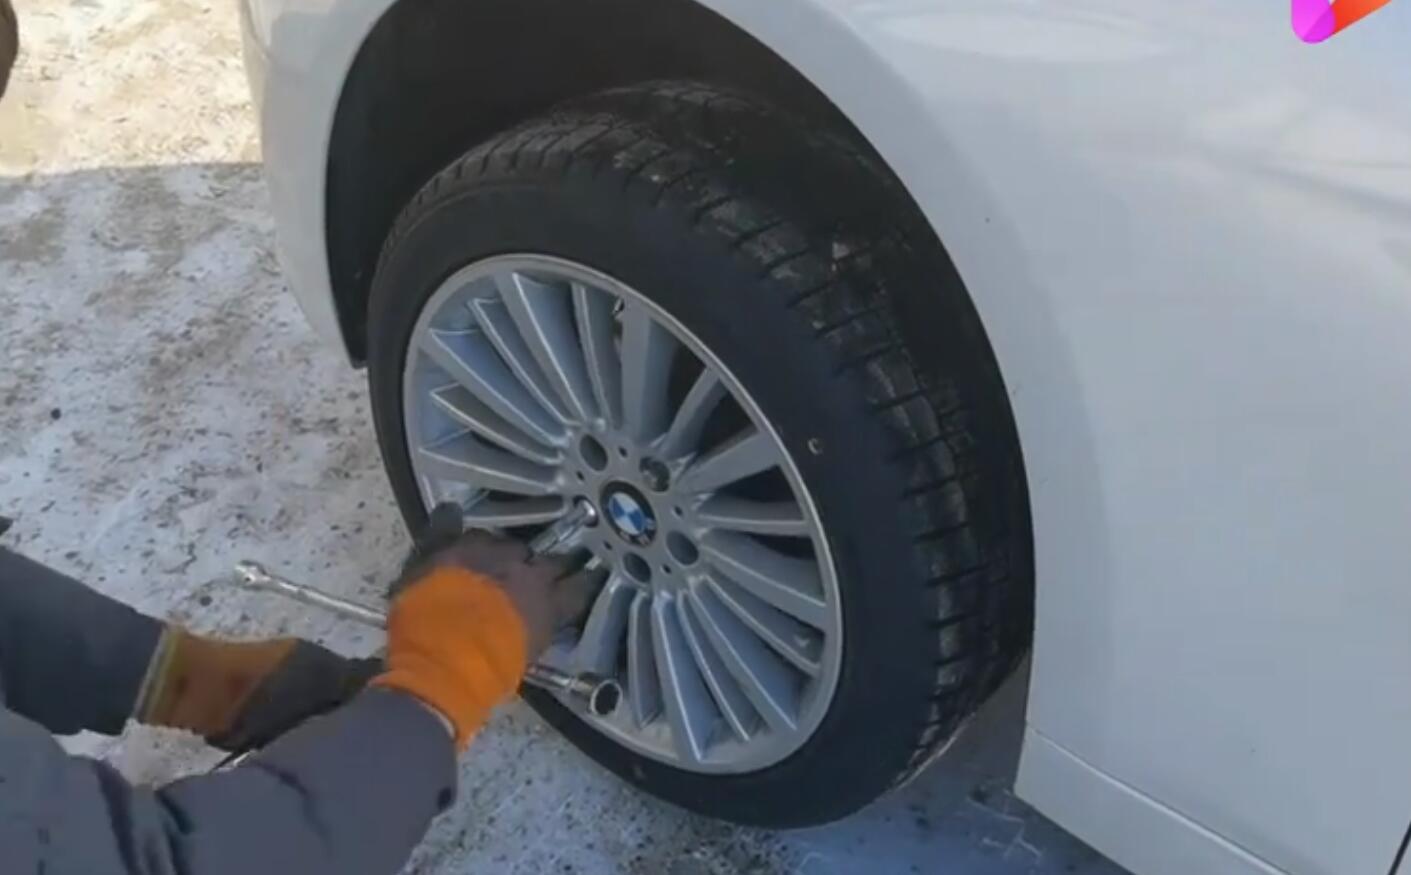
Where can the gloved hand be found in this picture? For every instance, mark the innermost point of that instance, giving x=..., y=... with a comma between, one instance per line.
x=244, y=695
x=466, y=620
x=239, y=694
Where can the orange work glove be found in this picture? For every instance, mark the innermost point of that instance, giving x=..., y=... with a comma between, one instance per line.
x=468, y=619
x=242, y=694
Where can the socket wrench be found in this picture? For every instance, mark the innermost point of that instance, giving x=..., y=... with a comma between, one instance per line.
x=601, y=695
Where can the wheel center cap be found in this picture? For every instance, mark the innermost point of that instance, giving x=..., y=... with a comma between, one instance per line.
x=629, y=513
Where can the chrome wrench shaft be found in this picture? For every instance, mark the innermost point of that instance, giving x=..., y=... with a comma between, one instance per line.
x=254, y=576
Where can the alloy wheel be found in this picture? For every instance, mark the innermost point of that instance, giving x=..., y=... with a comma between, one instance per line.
x=532, y=382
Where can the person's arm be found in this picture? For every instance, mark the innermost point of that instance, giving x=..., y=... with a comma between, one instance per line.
x=347, y=794
x=350, y=793
x=73, y=659
x=70, y=658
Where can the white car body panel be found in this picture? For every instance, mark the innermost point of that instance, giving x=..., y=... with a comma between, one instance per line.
x=1188, y=236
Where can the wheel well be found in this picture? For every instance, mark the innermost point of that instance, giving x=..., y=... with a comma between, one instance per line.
x=434, y=77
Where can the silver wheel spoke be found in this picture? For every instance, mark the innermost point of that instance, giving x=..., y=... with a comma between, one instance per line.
x=791, y=585
x=733, y=704
x=544, y=314
x=468, y=460
x=643, y=685
x=498, y=514
x=531, y=384
x=685, y=430
x=801, y=645
x=688, y=703
x=498, y=325
x=595, y=327
x=743, y=456
x=605, y=630
x=769, y=684
x=779, y=518
x=459, y=404
x=469, y=359
x=647, y=351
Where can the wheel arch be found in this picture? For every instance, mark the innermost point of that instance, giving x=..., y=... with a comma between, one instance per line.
x=537, y=53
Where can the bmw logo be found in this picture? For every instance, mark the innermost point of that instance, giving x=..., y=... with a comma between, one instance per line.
x=629, y=514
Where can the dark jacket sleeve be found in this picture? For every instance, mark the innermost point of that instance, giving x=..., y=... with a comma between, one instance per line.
x=70, y=658
x=351, y=793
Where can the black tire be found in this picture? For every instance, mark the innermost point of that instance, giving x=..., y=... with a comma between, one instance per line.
x=716, y=207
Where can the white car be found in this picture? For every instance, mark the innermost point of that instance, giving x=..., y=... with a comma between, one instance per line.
x=890, y=337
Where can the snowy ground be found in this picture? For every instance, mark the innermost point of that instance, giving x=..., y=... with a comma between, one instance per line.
x=165, y=411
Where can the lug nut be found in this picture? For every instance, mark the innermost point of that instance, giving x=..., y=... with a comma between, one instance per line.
x=655, y=475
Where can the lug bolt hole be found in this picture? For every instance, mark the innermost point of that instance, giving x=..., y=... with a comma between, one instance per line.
x=593, y=453
x=678, y=511
x=637, y=568
x=681, y=548
x=622, y=451
x=666, y=568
